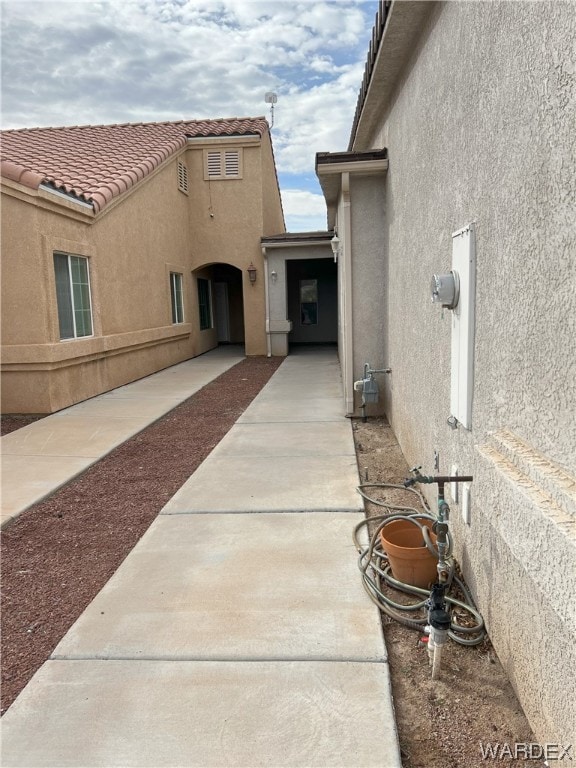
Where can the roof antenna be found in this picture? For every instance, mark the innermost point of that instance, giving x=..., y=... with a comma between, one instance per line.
x=271, y=98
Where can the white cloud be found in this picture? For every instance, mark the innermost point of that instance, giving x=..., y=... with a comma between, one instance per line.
x=111, y=61
x=303, y=210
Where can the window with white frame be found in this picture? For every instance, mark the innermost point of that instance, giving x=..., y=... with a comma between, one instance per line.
x=176, y=297
x=205, y=304
x=222, y=164
x=73, y=295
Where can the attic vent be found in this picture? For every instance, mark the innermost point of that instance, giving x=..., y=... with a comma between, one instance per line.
x=214, y=163
x=182, y=177
x=223, y=164
x=232, y=163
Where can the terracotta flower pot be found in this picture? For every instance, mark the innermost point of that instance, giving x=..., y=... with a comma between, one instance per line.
x=410, y=559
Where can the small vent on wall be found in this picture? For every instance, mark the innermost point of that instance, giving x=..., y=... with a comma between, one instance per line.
x=214, y=164
x=182, y=177
x=223, y=164
x=232, y=163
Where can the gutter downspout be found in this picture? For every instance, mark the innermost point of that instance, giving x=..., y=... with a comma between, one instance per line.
x=348, y=328
x=267, y=299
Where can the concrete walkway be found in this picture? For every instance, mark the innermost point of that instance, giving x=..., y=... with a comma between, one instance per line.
x=236, y=634
x=39, y=458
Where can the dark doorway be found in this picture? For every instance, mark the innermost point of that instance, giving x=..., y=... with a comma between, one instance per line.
x=228, y=304
x=312, y=300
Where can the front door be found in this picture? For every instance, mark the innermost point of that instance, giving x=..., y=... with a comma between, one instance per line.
x=312, y=301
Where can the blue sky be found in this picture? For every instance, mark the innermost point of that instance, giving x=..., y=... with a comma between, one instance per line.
x=77, y=62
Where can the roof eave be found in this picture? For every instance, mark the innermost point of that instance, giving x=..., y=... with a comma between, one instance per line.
x=296, y=239
x=331, y=166
x=393, y=45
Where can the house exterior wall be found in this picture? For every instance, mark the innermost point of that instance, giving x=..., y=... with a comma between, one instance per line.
x=273, y=216
x=480, y=128
x=369, y=284
x=228, y=219
x=280, y=321
x=132, y=247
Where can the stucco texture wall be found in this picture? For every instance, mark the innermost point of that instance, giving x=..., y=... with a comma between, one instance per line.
x=227, y=221
x=21, y=264
x=369, y=282
x=272, y=213
x=132, y=247
x=481, y=129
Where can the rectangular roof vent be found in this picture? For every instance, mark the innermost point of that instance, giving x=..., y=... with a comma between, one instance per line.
x=182, y=177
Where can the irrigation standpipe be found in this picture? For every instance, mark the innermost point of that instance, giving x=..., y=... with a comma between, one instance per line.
x=438, y=617
x=439, y=624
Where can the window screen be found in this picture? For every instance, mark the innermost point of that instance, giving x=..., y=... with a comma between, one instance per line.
x=176, y=297
x=73, y=296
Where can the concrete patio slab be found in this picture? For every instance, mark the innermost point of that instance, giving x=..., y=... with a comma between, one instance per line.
x=162, y=714
x=185, y=381
x=278, y=409
x=264, y=484
x=39, y=458
x=234, y=587
x=71, y=435
x=295, y=389
x=103, y=407
x=28, y=479
x=178, y=391
x=228, y=640
x=329, y=438
x=308, y=373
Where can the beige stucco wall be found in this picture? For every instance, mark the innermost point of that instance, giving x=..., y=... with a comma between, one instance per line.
x=481, y=129
x=227, y=218
x=283, y=319
x=272, y=213
x=132, y=247
x=369, y=283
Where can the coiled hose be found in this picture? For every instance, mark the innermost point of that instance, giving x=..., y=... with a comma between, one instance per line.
x=374, y=567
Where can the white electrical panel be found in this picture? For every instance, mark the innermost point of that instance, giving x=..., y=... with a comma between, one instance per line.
x=463, y=318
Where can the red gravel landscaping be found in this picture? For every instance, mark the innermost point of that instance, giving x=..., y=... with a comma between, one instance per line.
x=57, y=555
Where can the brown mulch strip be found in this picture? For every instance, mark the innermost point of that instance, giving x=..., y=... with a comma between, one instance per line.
x=57, y=555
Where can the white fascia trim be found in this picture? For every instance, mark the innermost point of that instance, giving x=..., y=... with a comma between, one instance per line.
x=299, y=244
x=64, y=196
x=248, y=138
x=353, y=167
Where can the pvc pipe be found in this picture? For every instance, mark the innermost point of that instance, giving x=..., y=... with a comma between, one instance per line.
x=436, y=661
x=267, y=302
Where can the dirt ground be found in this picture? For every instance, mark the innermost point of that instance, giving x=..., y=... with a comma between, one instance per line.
x=441, y=723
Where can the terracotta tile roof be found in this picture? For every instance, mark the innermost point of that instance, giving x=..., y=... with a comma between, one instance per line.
x=96, y=163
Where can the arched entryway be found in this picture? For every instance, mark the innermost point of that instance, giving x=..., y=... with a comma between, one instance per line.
x=221, y=302
x=228, y=304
